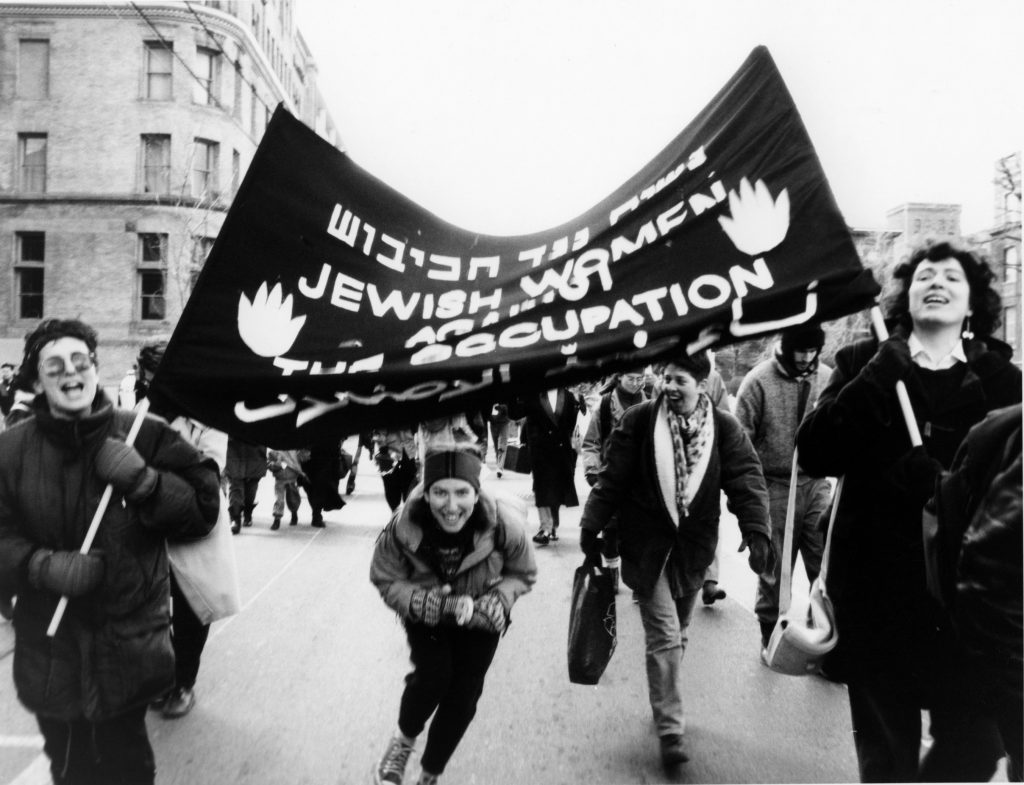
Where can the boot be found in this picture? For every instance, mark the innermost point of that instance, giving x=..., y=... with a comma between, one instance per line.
x=294, y=520
x=235, y=526
x=276, y=524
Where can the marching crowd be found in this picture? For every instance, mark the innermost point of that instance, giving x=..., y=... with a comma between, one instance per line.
x=926, y=552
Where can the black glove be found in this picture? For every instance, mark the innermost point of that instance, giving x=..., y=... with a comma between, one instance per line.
x=68, y=573
x=891, y=362
x=762, y=553
x=591, y=479
x=915, y=474
x=590, y=544
x=123, y=467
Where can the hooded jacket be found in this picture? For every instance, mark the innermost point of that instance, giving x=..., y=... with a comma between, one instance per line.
x=500, y=560
x=112, y=651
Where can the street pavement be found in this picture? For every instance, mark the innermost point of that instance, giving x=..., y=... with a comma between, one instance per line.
x=303, y=685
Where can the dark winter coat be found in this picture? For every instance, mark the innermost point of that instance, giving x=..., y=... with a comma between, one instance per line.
x=876, y=578
x=549, y=437
x=112, y=651
x=639, y=468
x=245, y=461
x=979, y=506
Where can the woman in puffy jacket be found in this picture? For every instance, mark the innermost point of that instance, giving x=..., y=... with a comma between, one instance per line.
x=451, y=563
x=90, y=684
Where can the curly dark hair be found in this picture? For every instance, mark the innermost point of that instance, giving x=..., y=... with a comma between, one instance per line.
x=985, y=302
x=52, y=330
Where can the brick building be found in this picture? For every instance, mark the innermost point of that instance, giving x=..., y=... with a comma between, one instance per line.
x=125, y=129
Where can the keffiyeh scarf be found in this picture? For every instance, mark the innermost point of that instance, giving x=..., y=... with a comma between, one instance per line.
x=690, y=439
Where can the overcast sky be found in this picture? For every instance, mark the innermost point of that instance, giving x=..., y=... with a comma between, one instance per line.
x=511, y=117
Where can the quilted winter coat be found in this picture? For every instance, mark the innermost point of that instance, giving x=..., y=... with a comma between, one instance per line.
x=112, y=651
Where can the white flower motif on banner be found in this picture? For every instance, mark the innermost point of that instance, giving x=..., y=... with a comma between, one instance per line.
x=266, y=324
x=758, y=222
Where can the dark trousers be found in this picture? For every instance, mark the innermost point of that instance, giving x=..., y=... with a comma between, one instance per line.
x=188, y=637
x=242, y=497
x=449, y=666
x=400, y=481
x=886, y=713
x=112, y=752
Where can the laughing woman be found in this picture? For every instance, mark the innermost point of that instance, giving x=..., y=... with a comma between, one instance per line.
x=894, y=653
x=451, y=563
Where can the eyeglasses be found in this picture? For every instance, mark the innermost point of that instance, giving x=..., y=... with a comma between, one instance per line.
x=55, y=367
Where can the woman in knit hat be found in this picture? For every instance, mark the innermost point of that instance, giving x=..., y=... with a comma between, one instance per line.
x=451, y=563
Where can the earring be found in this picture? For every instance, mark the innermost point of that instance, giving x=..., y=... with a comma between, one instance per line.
x=967, y=335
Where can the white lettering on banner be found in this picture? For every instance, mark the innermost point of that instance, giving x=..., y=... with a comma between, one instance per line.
x=487, y=263
x=315, y=292
x=394, y=261
x=348, y=292
x=696, y=159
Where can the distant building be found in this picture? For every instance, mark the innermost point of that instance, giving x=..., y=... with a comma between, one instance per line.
x=125, y=130
x=1002, y=245
x=919, y=222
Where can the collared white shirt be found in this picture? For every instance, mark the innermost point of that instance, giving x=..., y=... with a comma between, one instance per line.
x=922, y=359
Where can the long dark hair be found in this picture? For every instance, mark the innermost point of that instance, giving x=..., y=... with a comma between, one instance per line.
x=985, y=302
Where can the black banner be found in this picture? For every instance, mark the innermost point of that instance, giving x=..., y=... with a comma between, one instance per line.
x=331, y=303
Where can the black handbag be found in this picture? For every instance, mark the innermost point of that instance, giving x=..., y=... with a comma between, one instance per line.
x=591, y=623
x=517, y=458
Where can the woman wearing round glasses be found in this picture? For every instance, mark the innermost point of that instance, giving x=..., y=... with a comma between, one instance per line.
x=90, y=684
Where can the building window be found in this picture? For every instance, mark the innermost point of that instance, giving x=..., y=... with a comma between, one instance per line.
x=33, y=68
x=152, y=276
x=253, y=102
x=205, y=90
x=201, y=247
x=1011, y=325
x=28, y=274
x=237, y=108
x=204, y=169
x=159, y=57
x=156, y=163
x=236, y=171
x=1011, y=263
x=32, y=162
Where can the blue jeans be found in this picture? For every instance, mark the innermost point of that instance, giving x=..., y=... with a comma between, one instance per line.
x=666, y=619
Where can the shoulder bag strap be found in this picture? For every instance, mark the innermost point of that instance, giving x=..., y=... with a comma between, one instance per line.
x=786, y=585
x=823, y=574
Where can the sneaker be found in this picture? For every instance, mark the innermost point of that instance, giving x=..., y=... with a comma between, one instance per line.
x=180, y=702
x=542, y=537
x=672, y=752
x=427, y=779
x=276, y=524
x=391, y=767
x=554, y=535
x=711, y=593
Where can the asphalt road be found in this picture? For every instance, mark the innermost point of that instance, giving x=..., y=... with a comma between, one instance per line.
x=303, y=685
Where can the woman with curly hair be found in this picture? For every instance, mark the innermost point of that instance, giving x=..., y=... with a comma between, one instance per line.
x=895, y=652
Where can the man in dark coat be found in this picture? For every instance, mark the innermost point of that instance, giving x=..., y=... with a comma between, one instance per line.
x=550, y=421
x=666, y=466
x=89, y=684
x=246, y=466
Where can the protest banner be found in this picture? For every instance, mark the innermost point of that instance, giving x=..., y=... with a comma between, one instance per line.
x=331, y=303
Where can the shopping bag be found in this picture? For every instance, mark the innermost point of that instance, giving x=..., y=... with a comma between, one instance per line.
x=798, y=645
x=591, y=623
x=207, y=572
x=517, y=458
